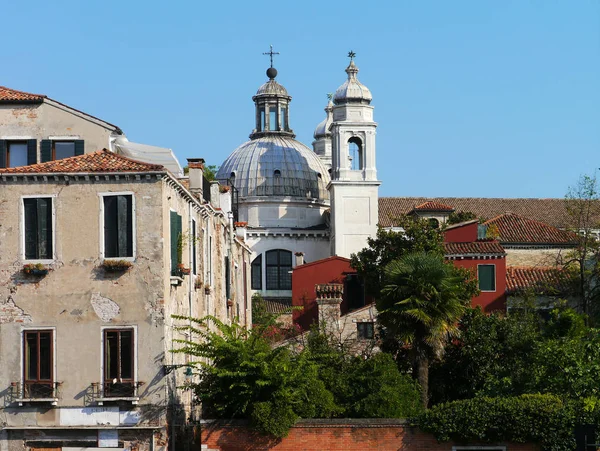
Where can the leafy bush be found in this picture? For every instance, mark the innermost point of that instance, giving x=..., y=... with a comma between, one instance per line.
x=544, y=419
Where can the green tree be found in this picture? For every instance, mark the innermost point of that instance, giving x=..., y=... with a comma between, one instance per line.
x=582, y=203
x=210, y=172
x=422, y=301
x=417, y=235
x=363, y=387
x=457, y=217
x=242, y=376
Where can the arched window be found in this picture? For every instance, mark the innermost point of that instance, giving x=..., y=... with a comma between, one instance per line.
x=256, y=273
x=433, y=223
x=277, y=185
x=355, y=154
x=279, y=268
x=232, y=178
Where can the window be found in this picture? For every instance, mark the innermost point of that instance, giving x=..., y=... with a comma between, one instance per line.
x=38, y=228
x=194, y=238
x=433, y=223
x=486, y=274
x=38, y=364
x=273, y=117
x=17, y=153
x=256, y=273
x=282, y=118
x=59, y=149
x=263, y=126
x=355, y=154
x=279, y=267
x=176, y=243
x=119, y=363
x=365, y=331
x=227, y=279
x=118, y=226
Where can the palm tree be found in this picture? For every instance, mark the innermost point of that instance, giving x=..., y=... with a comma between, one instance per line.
x=422, y=300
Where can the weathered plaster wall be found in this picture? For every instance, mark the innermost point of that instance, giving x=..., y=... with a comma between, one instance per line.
x=52, y=119
x=535, y=257
x=77, y=298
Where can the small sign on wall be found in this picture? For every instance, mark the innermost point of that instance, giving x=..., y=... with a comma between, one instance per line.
x=108, y=438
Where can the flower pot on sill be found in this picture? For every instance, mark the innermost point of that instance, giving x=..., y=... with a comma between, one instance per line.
x=207, y=290
x=116, y=265
x=229, y=303
x=36, y=269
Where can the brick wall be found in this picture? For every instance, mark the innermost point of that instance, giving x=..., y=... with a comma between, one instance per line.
x=331, y=435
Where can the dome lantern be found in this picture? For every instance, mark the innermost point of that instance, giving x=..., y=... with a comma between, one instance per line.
x=272, y=106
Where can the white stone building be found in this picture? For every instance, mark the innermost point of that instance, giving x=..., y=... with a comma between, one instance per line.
x=294, y=200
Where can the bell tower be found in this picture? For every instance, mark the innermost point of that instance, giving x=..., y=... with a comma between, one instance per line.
x=354, y=188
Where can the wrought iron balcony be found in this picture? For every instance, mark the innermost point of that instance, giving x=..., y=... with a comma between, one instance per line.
x=116, y=391
x=38, y=391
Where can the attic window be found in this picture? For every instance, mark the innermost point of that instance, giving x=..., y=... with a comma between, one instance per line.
x=277, y=173
x=319, y=175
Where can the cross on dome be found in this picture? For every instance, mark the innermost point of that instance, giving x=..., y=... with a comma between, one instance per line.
x=351, y=55
x=271, y=53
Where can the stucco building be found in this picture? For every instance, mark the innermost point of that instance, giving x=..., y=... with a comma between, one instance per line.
x=97, y=252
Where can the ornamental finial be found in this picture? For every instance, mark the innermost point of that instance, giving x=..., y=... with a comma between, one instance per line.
x=271, y=53
x=351, y=55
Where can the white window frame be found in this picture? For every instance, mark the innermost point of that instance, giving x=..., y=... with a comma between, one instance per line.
x=495, y=278
x=135, y=351
x=133, y=225
x=43, y=261
x=22, y=354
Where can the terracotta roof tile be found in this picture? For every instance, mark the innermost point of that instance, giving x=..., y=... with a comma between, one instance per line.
x=278, y=306
x=12, y=95
x=474, y=248
x=517, y=229
x=541, y=280
x=548, y=211
x=433, y=206
x=100, y=161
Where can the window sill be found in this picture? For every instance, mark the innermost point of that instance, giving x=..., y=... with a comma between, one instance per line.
x=40, y=261
x=132, y=399
x=175, y=280
x=21, y=401
x=127, y=259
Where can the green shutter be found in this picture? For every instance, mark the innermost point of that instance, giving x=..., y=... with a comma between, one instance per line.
x=45, y=150
x=110, y=227
x=175, y=227
x=44, y=213
x=123, y=229
x=2, y=153
x=30, y=207
x=487, y=277
x=31, y=151
x=79, y=147
x=227, y=279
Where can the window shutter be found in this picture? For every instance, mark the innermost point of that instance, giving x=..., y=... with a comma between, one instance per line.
x=30, y=207
x=227, y=279
x=79, y=147
x=45, y=150
x=110, y=227
x=174, y=239
x=124, y=227
x=44, y=218
x=2, y=153
x=31, y=151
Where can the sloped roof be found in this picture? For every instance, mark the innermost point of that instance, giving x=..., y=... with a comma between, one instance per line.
x=99, y=161
x=433, y=206
x=8, y=95
x=541, y=280
x=474, y=248
x=517, y=229
x=549, y=211
x=278, y=306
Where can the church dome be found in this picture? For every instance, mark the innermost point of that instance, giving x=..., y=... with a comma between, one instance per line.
x=272, y=88
x=276, y=165
x=352, y=91
x=323, y=127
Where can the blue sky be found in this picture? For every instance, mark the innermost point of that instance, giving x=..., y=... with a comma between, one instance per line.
x=473, y=98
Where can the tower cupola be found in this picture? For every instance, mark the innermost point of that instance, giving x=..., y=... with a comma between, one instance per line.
x=272, y=107
x=352, y=90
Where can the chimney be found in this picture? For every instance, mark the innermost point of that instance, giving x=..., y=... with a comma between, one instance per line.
x=299, y=258
x=196, y=175
x=329, y=298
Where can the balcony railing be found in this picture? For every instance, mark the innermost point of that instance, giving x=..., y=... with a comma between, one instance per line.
x=37, y=391
x=116, y=391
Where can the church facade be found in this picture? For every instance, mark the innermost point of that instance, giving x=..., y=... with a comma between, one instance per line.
x=298, y=204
